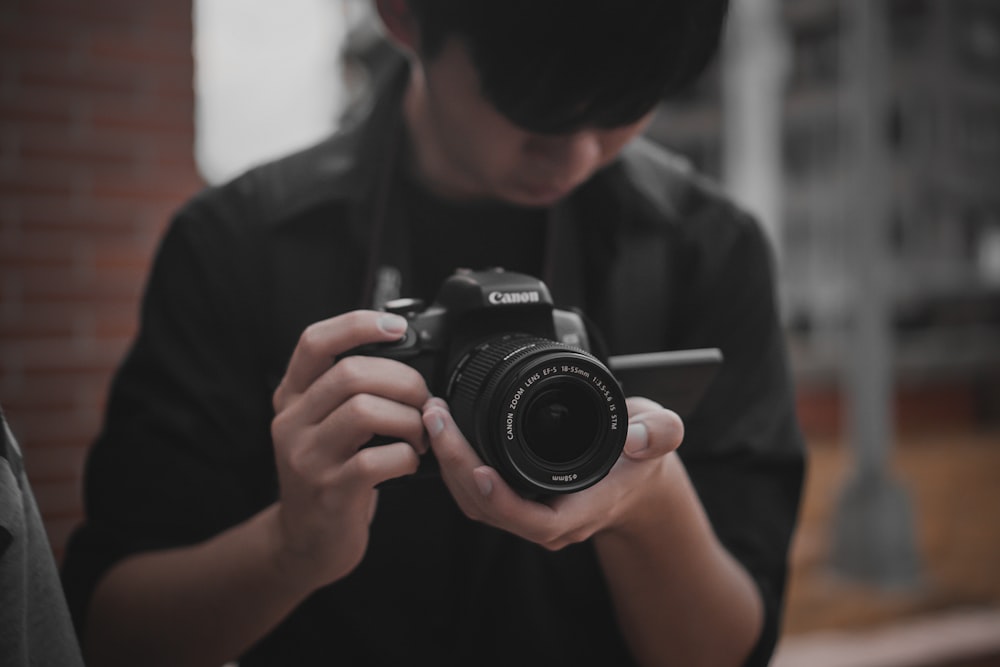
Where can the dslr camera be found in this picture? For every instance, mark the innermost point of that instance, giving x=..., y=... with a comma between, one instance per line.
x=519, y=379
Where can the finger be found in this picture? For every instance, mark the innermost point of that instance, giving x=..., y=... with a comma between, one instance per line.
x=499, y=505
x=323, y=341
x=449, y=444
x=387, y=378
x=373, y=465
x=639, y=404
x=479, y=490
x=653, y=434
x=361, y=418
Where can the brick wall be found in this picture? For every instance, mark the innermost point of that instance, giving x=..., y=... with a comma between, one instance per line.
x=96, y=151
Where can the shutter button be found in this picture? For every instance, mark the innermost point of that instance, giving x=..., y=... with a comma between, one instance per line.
x=404, y=307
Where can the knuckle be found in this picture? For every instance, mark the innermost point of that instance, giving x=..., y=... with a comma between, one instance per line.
x=359, y=408
x=553, y=545
x=299, y=459
x=350, y=371
x=448, y=457
x=296, y=460
x=576, y=536
x=282, y=427
x=413, y=461
x=311, y=339
x=278, y=398
x=552, y=538
x=365, y=464
x=471, y=512
x=448, y=452
x=356, y=318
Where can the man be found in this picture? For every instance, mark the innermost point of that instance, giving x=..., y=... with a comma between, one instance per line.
x=232, y=510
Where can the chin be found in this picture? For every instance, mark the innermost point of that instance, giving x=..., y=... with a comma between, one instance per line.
x=532, y=196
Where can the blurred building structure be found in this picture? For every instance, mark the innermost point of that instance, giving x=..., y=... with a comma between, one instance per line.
x=942, y=134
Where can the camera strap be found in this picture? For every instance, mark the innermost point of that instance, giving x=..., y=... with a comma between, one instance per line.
x=606, y=259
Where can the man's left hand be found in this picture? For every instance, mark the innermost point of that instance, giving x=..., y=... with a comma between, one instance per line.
x=653, y=434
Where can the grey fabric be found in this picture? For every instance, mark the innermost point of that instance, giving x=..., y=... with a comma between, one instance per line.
x=35, y=627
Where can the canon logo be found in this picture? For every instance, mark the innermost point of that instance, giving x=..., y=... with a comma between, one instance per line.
x=509, y=298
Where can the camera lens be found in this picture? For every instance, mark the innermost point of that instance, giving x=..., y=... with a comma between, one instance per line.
x=561, y=423
x=549, y=417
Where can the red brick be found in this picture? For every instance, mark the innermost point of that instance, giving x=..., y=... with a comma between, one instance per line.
x=57, y=498
x=54, y=72
x=42, y=107
x=59, y=530
x=119, y=255
x=26, y=40
x=19, y=184
x=88, y=217
x=38, y=251
x=47, y=391
x=59, y=463
x=121, y=14
x=33, y=319
x=169, y=17
x=96, y=154
x=103, y=320
x=178, y=83
x=145, y=48
x=77, y=285
x=169, y=193
x=176, y=121
x=84, y=151
x=58, y=394
x=36, y=426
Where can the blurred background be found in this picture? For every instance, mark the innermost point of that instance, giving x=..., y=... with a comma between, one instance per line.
x=864, y=133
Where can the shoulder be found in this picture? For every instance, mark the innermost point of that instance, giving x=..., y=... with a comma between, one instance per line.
x=674, y=189
x=284, y=189
x=691, y=210
x=241, y=221
x=315, y=177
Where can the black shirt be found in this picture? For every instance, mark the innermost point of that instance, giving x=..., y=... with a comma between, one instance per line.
x=446, y=235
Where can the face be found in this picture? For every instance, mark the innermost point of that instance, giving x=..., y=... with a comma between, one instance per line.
x=465, y=149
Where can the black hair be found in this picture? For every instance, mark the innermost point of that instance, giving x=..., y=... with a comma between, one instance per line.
x=553, y=66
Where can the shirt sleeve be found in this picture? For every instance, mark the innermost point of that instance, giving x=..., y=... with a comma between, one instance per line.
x=178, y=458
x=743, y=448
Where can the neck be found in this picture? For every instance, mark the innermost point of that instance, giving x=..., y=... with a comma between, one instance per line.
x=427, y=160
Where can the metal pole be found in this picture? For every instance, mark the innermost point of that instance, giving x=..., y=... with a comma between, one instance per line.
x=756, y=56
x=873, y=532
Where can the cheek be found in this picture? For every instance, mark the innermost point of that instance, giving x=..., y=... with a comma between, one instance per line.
x=488, y=144
x=501, y=152
x=612, y=141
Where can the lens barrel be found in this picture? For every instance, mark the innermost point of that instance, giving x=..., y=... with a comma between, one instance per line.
x=548, y=416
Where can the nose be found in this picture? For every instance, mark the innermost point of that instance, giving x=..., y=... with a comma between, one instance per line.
x=572, y=156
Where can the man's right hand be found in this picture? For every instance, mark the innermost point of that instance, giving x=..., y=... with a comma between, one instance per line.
x=324, y=413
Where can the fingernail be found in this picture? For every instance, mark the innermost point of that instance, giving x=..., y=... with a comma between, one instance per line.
x=638, y=438
x=434, y=423
x=434, y=401
x=392, y=324
x=483, y=481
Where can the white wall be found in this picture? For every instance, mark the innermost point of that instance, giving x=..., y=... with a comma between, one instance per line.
x=267, y=78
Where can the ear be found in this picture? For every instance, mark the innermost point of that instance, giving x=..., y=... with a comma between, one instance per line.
x=399, y=23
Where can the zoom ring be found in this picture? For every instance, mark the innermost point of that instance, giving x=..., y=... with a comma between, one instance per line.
x=475, y=370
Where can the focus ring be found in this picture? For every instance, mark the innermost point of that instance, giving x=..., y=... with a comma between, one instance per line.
x=472, y=372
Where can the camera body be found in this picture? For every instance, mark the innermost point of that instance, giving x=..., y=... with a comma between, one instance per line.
x=519, y=378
